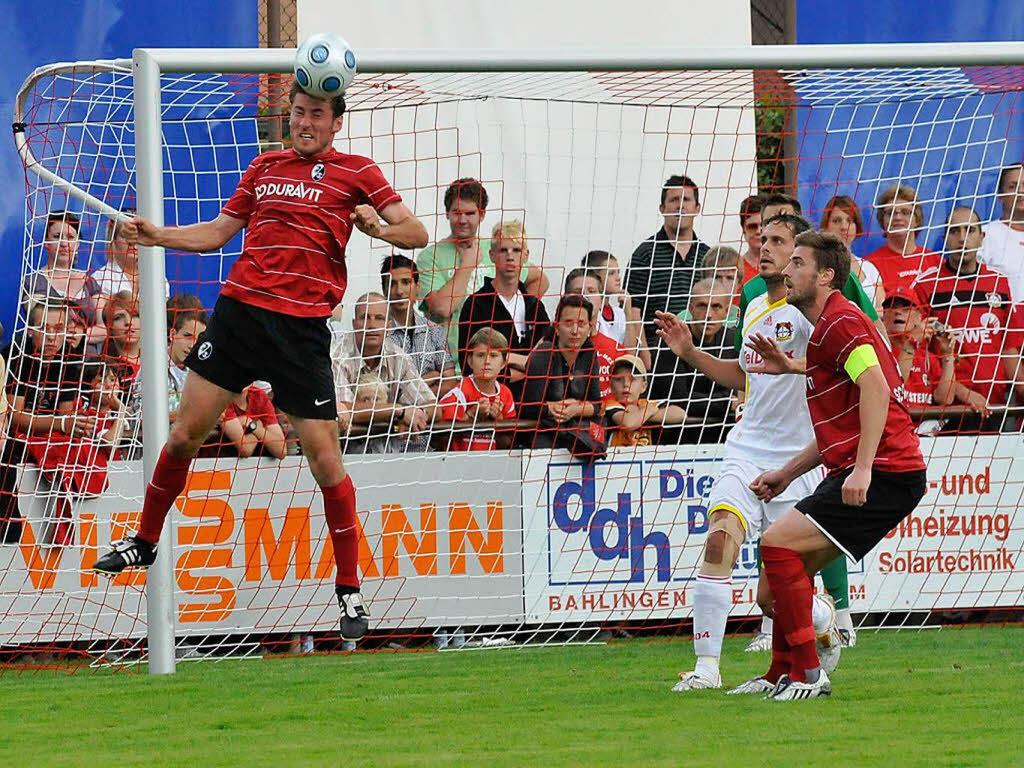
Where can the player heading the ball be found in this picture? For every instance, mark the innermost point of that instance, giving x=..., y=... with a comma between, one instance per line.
x=299, y=207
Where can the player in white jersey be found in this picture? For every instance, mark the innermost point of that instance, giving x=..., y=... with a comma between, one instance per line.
x=775, y=426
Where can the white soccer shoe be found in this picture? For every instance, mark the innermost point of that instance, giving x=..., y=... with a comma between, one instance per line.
x=694, y=681
x=753, y=685
x=762, y=642
x=849, y=637
x=788, y=690
x=827, y=639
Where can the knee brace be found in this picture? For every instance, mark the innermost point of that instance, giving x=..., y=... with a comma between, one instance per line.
x=726, y=535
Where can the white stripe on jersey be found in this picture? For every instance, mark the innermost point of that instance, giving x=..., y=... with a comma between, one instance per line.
x=776, y=423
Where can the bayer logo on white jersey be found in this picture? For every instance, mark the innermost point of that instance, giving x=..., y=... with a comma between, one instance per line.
x=776, y=423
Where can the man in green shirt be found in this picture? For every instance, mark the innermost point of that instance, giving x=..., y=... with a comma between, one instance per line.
x=454, y=268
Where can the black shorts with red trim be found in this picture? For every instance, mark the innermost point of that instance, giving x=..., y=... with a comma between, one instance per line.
x=244, y=343
x=856, y=530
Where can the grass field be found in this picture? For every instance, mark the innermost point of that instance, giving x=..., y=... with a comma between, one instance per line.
x=929, y=698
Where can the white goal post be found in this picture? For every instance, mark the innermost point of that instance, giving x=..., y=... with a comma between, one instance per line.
x=148, y=66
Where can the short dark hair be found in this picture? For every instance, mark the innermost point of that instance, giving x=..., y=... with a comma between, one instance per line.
x=751, y=204
x=180, y=303
x=596, y=259
x=489, y=338
x=575, y=274
x=829, y=253
x=337, y=102
x=184, y=316
x=1005, y=172
x=396, y=261
x=778, y=198
x=96, y=367
x=678, y=180
x=574, y=301
x=62, y=217
x=468, y=189
x=797, y=224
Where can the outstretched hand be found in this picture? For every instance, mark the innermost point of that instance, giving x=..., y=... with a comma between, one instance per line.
x=773, y=359
x=675, y=333
x=366, y=220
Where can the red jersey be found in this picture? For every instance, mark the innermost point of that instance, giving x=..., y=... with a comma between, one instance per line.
x=258, y=408
x=296, y=211
x=977, y=308
x=834, y=399
x=608, y=350
x=925, y=372
x=455, y=404
x=899, y=270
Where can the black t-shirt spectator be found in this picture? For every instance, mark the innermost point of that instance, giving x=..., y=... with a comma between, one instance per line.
x=549, y=378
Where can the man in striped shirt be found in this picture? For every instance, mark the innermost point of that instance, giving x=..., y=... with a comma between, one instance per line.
x=864, y=437
x=299, y=207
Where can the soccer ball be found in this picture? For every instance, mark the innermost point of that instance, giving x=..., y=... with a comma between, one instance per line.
x=325, y=65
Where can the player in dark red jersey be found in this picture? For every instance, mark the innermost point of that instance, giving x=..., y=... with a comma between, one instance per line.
x=863, y=435
x=299, y=207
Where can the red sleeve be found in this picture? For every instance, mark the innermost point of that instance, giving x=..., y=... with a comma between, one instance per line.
x=508, y=403
x=242, y=204
x=934, y=368
x=231, y=412
x=260, y=407
x=842, y=336
x=453, y=405
x=1014, y=329
x=376, y=189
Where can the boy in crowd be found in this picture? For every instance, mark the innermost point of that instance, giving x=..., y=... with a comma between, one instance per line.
x=617, y=318
x=481, y=397
x=630, y=415
x=371, y=395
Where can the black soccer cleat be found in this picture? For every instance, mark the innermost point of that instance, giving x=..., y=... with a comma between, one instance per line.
x=132, y=552
x=355, y=618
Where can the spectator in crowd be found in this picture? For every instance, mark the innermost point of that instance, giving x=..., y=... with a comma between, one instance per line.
x=750, y=220
x=504, y=304
x=59, y=280
x=425, y=342
x=562, y=384
x=664, y=267
x=367, y=349
x=454, y=268
x=928, y=377
x=677, y=381
x=183, y=328
x=779, y=204
x=582, y=282
x=617, y=318
x=974, y=303
x=901, y=259
x=124, y=335
x=722, y=263
x=1003, y=250
x=631, y=417
x=481, y=397
x=371, y=397
x=249, y=426
x=842, y=218
x=121, y=272
x=42, y=387
x=75, y=466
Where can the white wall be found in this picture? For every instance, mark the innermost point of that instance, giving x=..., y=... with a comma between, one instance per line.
x=583, y=168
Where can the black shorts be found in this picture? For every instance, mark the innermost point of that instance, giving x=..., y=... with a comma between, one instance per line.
x=856, y=530
x=244, y=343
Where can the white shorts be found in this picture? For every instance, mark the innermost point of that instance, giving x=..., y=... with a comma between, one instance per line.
x=731, y=491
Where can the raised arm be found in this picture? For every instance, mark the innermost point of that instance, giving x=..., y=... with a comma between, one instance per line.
x=402, y=228
x=676, y=335
x=198, y=238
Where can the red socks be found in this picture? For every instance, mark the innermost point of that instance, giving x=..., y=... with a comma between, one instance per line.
x=792, y=592
x=340, y=511
x=781, y=652
x=168, y=482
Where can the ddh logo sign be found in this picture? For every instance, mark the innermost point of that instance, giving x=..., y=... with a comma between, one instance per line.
x=630, y=522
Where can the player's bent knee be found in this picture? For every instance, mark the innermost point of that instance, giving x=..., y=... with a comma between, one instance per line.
x=722, y=548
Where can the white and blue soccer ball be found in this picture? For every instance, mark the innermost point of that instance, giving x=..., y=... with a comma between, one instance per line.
x=325, y=65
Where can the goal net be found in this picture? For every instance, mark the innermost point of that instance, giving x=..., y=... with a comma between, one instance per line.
x=518, y=544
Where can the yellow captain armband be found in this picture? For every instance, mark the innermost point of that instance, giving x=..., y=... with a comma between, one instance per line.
x=862, y=358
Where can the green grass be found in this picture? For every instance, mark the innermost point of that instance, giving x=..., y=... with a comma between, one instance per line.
x=930, y=698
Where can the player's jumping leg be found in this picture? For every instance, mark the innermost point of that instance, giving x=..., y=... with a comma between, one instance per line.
x=712, y=598
x=791, y=547
x=320, y=446
x=837, y=583
x=202, y=403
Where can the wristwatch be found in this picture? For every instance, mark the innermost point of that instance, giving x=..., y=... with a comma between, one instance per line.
x=251, y=427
